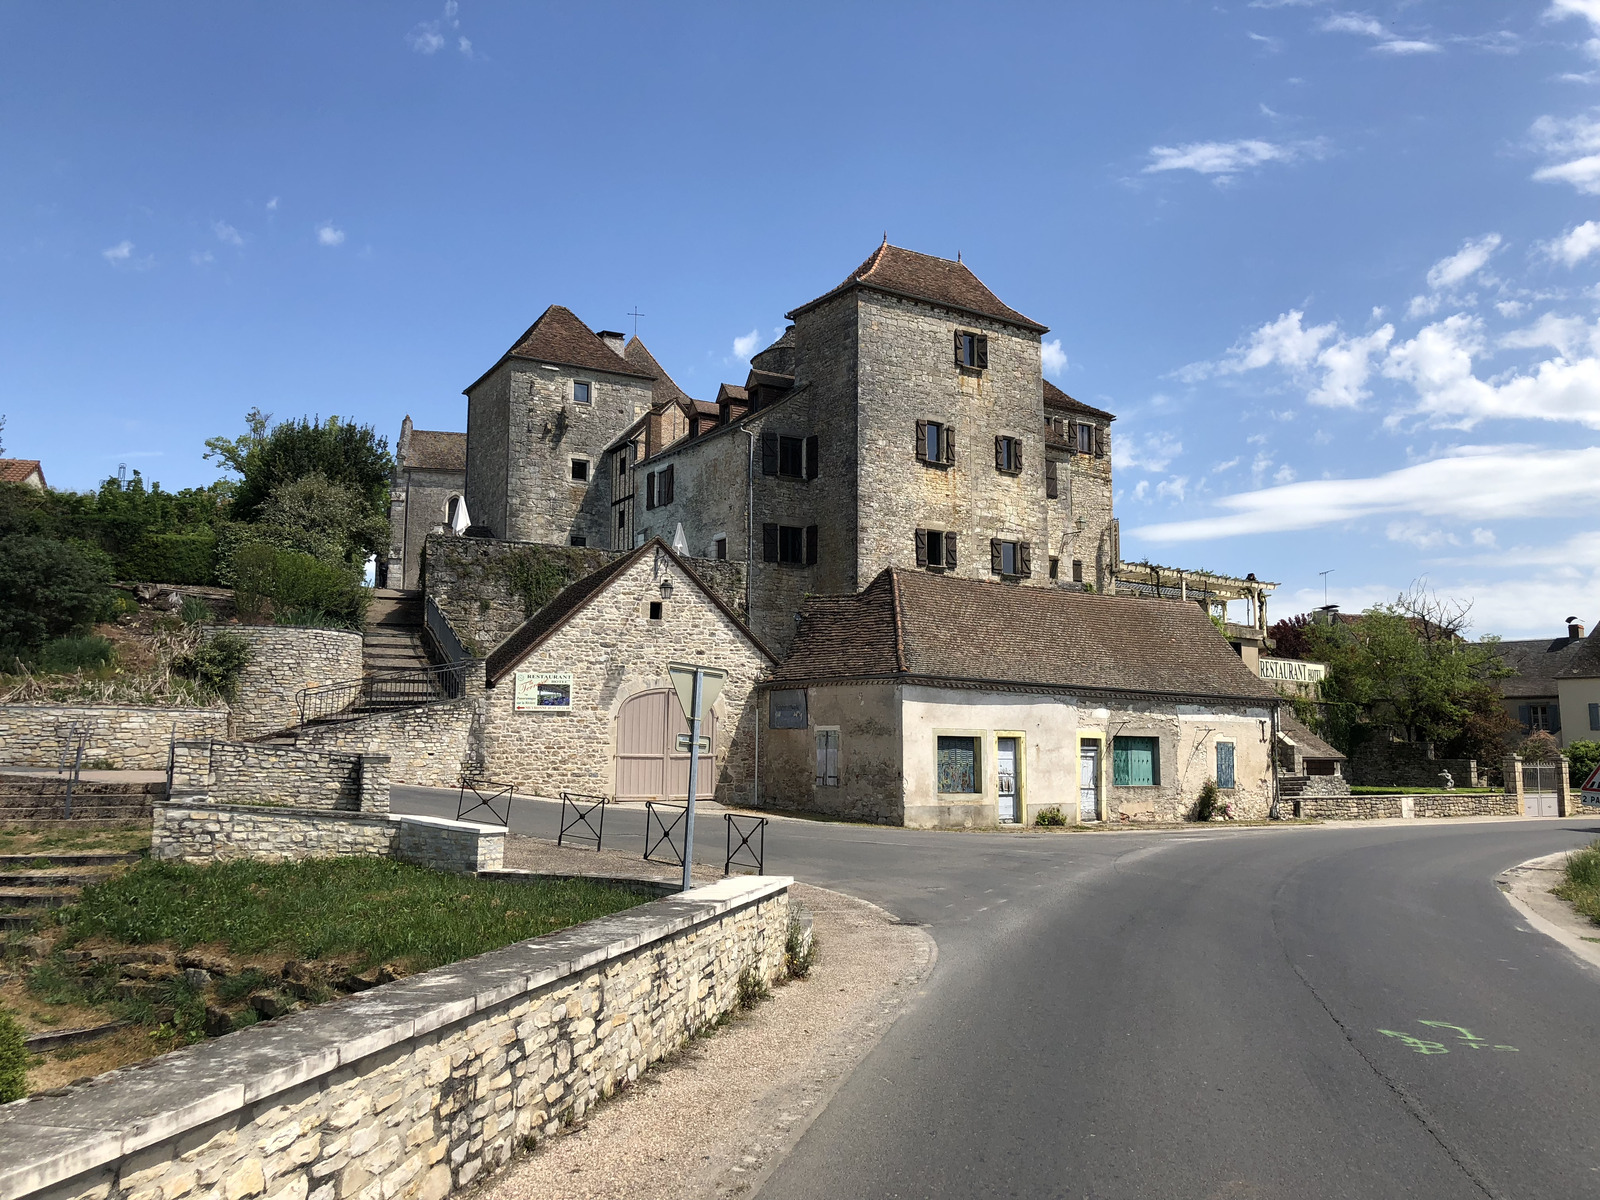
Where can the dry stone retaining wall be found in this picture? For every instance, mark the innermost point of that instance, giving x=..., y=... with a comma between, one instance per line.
x=414, y=1089
x=283, y=660
x=1441, y=804
x=253, y=772
x=428, y=745
x=133, y=737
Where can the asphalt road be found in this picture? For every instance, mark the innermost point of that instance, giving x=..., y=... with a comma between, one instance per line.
x=1217, y=1014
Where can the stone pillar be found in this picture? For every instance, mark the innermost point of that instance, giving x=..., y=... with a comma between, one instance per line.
x=373, y=777
x=191, y=768
x=1569, y=802
x=1513, y=774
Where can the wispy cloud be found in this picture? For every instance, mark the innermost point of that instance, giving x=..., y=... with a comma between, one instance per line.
x=1449, y=273
x=1149, y=453
x=272, y=205
x=1575, y=245
x=227, y=233
x=1053, y=357
x=328, y=235
x=745, y=346
x=202, y=258
x=430, y=37
x=1575, y=143
x=1385, y=39
x=122, y=255
x=1224, y=160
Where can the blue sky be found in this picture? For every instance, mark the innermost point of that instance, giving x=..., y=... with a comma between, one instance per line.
x=1335, y=268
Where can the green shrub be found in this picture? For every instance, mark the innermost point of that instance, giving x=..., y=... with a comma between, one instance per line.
x=216, y=665
x=68, y=654
x=291, y=583
x=1581, y=882
x=753, y=988
x=171, y=558
x=13, y=1059
x=1208, y=804
x=48, y=590
x=799, y=953
x=195, y=611
x=1582, y=759
x=1051, y=817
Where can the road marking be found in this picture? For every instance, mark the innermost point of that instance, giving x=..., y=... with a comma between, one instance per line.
x=1464, y=1037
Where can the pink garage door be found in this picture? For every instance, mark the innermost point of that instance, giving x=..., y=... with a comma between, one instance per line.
x=649, y=766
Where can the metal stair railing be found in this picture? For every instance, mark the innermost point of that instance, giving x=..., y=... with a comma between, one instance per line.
x=382, y=691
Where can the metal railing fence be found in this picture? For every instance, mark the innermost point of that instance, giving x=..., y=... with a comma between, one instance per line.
x=381, y=691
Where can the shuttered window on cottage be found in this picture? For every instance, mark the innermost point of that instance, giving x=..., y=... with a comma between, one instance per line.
x=1594, y=716
x=1084, y=441
x=950, y=547
x=922, y=547
x=1136, y=761
x=1008, y=454
x=1099, y=442
x=935, y=445
x=790, y=544
x=769, y=453
x=972, y=350
x=1225, y=765
x=936, y=548
x=650, y=490
x=666, y=484
x=1010, y=558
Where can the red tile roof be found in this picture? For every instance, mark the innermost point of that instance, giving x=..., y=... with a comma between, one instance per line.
x=17, y=470
x=917, y=276
x=559, y=337
x=924, y=625
x=1055, y=398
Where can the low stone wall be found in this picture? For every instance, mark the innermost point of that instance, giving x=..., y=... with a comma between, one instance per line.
x=133, y=737
x=1454, y=804
x=258, y=773
x=1349, y=808
x=428, y=745
x=414, y=1089
x=283, y=660
x=459, y=847
x=1439, y=804
x=201, y=832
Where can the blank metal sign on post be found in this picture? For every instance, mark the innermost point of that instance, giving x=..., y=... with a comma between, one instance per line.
x=682, y=676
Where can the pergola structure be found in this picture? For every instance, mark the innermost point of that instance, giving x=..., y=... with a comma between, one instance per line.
x=1206, y=588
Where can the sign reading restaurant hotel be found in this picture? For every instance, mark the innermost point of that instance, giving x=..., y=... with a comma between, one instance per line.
x=543, y=691
x=1290, y=670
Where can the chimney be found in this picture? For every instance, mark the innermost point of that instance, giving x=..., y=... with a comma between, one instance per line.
x=1574, y=628
x=613, y=339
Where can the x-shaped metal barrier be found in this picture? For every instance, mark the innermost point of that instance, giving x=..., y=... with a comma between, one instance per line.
x=653, y=840
x=582, y=825
x=502, y=798
x=751, y=827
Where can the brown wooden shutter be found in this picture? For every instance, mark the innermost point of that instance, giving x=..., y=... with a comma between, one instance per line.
x=994, y=555
x=947, y=445
x=950, y=547
x=1000, y=453
x=769, y=543
x=1016, y=453
x=650, y=490
x=769, y=453
x=813, y=445
x=811, y=545
x=667, y=484
x=983, y=352
x=1024, y=558
x=1099, y=442
x=1052, y=481
x=960, y=359
x=922, y=441
x=922, y=547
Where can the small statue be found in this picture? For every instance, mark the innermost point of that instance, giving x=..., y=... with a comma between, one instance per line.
x=1448, y=780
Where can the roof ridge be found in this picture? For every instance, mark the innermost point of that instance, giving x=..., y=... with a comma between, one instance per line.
x=897, y=616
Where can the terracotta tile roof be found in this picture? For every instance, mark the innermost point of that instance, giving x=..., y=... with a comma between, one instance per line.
x=921, y=624
x=769, y=379
x=559, y=337
x=436, y=450
x=1541, y=662
x=17, y=470
x=1055, y=398
x=1311, y=746
x=733, y=392
x=666, y=390
x=707, y=408
x=924, y=277
x=527, y=637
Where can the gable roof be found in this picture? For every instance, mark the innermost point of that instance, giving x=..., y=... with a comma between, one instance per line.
x=558, y=337
x=915, y=623
x=1541, y=662
x=527, y=637
x=1309, y=744
x=940, y=281
x=18, y=470
x=666, y=390
x=1054, y=397
x=436, y=450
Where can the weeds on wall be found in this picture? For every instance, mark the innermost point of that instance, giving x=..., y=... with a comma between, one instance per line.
x=535, y=578
x=799, y=951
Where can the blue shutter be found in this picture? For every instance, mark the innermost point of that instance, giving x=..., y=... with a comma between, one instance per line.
x=1224, y=764
x=1594, y=716
x=1525, y=716
x=1133, y=762
x=1119, y=762
x=1555, y=718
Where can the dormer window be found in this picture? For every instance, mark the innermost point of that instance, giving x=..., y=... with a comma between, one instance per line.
x=972, y=350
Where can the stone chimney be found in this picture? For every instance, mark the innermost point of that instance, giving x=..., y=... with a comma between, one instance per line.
x=613, y=339
x=1574, y=628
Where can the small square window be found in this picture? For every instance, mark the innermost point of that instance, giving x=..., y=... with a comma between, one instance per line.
x=1136, y=762
x=936, y=548
x=580, y=470
x=1011, y=559
x=1085, y=439
x=972, y=350
x=578, y=539
x=1007, y=454
x=791, y=544
x=655, y=610
x=580, y=392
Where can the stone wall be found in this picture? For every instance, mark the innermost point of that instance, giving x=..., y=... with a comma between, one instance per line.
x=200, y=832
x=430, y=745
x=413, y=1089
x=417, y=507
x=1384, y=763
x=283, y=660
x=615, y=652
x=478, y=583
x=269, y=773
x=131, y=737
x=1349, y=808
x=1440, y=804
x=1455, y=804
x=458, y=847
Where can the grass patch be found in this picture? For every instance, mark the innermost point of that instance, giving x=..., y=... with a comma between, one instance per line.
x=71, y=838
x=370, y=910
x=1581, y=881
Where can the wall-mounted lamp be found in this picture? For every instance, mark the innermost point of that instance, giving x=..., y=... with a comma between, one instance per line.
x=666, y=589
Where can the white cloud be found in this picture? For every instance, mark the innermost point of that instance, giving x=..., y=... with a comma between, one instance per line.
x=272, y=205
x=1053, y=357
x=429, y=37
x=1345, y=362
x=227, y=233
x=1472, y=484
x=1420, y=534
x=1346, y=366
x=120, y=253
x=1589, y=10
x=425, y=38
x=1225, y=466
x=1388, y=42
x=1483, y=537
x=201, y=258
x=1284, y=342
x=465, y=46
x=1577, y=141
x=1224, y=160
x=1464, y=263
x=744, y=347
x=1175, y=488
x=1151, y=453
x=1575, y=245
x=1284, y=474
x=327, y=235
x=1139, y=493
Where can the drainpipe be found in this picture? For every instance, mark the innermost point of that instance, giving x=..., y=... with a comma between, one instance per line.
x=1274, y=811
x=749, y=524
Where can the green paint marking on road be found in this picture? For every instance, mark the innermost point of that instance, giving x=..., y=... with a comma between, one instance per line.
x=1464, y=1036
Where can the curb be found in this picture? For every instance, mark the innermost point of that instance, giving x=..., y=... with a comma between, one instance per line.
x=1526, y=888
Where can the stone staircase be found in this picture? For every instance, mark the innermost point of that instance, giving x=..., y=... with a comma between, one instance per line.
x=392, y=638
x=27, y=800
x=31, y=884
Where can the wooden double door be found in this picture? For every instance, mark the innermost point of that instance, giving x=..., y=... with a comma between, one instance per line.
x=649, y=764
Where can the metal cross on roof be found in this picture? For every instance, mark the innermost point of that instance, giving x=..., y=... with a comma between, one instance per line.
x=635, y=314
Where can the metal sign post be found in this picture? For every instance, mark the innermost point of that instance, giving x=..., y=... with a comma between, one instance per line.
x=698, y=688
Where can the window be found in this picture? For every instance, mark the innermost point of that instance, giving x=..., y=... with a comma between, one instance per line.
x=578, y=539
x=1136, y=761
x=936, y=547
x=1007, y=455
x=790, y=456
x=719, y=549
x=935, y=445
x=580, y=470
x=580, y=392
x=1225, y=765
x=958, y=764
x=1085, y=439
x=788, y=710
x=789, y=544
x=655, y=610
x=972, y=351
x=658, y=487
x=1010, y=558
x=827, y=758
x=1077, y=570
x=622, y=519
x=1541, y=716
x=1052, y=479
x=1055, y=567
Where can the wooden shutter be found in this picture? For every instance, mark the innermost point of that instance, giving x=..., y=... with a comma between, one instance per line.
x=769, y=543
x=999, y=453
x=811, y=545
x=813, y=445
x=922, y=547
x=1594, y=716
x=1525, y=715
x=1099, y=442
x=983, y=352
x=947, y=444
x=650, y=490
x=769, y=453
x=1052, y=484
x=666, y=483
x=1016, y=454
x=922, y=441
x=950, y=547
x=1025, y=558
x=994, y=555
x=960, y=358
x=1555, y=718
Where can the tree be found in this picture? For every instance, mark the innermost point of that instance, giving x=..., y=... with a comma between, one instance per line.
x=329, y=520
x=1289, y=636
x=1582, y=759
x=48, y=589
x=343, y=453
